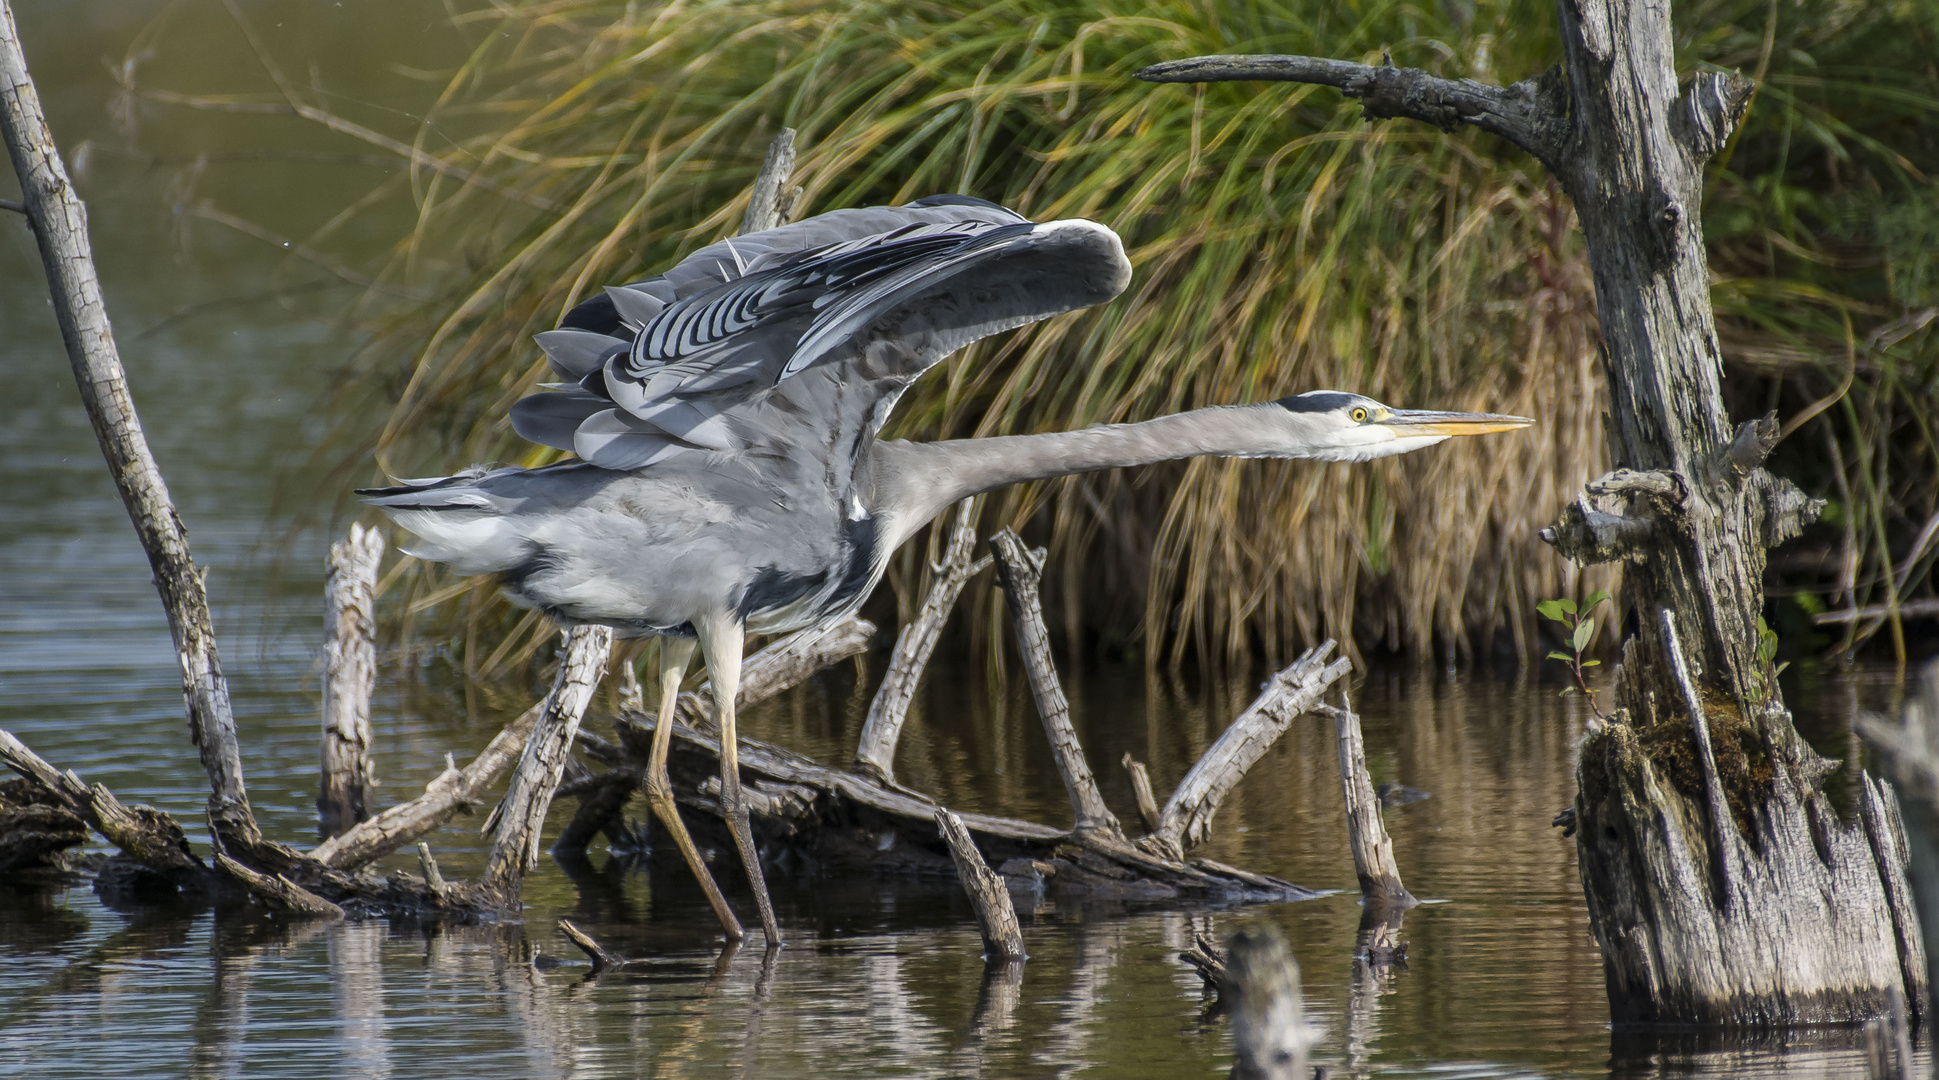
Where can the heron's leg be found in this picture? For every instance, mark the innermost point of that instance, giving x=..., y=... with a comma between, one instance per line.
x=674, y=654
x=723, y=639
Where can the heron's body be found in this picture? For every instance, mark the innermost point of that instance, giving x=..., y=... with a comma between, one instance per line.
x=726, y=416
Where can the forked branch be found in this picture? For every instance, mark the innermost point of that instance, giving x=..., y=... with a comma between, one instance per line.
x=1533, y=114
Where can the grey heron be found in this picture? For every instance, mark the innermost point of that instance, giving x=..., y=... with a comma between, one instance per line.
x=729, y=476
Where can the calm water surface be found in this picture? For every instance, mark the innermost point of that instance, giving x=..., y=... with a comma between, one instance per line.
x=230, y=342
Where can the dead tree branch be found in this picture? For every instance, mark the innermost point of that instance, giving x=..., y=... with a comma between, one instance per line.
x=143, y=833
x=60, y=229
x=278, y=892
x=1186, y=820
x=349, y=673
x=995, y=914
x=1019, y=570
x=516, y=824
x=1373, y=850
x=450, y=791
x=916, y=643
x=1533, y=114
x=1141, y=790
x=601, y=959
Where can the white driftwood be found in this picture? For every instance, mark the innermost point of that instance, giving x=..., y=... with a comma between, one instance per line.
x=995, y=914
x=60, y=228
x=349, y=674
x=1186, y=820
x=1020, y=570
x=516, y=823
x=916, y=643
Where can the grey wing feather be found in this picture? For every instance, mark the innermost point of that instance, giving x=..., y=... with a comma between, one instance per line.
x=575, y=354
x=868, y=299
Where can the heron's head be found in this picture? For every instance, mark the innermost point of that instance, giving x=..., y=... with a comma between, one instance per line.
x=1333, y=426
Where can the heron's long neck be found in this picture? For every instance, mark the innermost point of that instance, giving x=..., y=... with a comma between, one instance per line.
x=916, y=481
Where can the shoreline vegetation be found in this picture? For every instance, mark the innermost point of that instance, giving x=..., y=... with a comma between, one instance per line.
x=1281, y=244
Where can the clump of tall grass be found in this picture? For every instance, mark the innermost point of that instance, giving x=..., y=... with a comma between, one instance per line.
x=1281, y=244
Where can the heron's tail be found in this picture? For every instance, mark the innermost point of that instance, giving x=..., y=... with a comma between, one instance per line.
x=456, y=519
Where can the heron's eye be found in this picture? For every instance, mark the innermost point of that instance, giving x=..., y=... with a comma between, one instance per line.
x=1359, y=416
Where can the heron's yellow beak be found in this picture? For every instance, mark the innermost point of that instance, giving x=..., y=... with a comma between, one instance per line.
x=1425, y=422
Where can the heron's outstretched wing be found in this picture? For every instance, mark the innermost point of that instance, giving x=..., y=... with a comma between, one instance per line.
x=798, y=339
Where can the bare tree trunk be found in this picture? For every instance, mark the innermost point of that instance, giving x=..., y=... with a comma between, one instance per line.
x=771, y=200
x=349, y=673
x=1779, y=915
x=60, y=227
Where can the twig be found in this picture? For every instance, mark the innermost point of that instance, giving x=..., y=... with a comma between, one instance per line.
x=349, y=673
x=60, y=228
x=1019, y=571
x=917, y=642
x=768, y=203
x=601, y=959
x=516, y=823
x=17, y=207
x=1141, y=790
x=433, y=877
x=1270, y=1035
x=995, y=915
x=1186, y=820
x=1207, y=957
x=1908, y=609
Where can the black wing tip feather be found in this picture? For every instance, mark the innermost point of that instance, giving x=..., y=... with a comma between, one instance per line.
x=596, y=314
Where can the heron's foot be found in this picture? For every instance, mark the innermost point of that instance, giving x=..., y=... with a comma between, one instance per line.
x=659, y=796
x=738, y=824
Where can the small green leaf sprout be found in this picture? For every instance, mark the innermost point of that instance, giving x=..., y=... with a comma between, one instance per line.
x=1581, y=628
